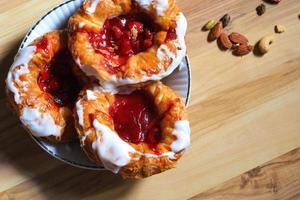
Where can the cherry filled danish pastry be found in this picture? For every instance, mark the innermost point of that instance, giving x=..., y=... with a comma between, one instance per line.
x=123, y=42
x=42, y=88
x=98, y=82
x=137, y=132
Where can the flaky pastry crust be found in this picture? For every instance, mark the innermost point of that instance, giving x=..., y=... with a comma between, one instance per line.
x=155, y=63
x=24, y=92
x=170, y=108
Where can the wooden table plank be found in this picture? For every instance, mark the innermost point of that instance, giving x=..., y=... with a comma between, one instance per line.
x=243, y=111
x=277, y=179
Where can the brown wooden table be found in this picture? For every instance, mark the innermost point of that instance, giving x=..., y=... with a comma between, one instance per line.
x=244, y=112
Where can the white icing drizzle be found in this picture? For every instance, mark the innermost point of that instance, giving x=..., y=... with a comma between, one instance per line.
x=160, y=5
x=21, y=60
x=93, y=6
x=11, y=87
x=144, y=3
x=81, y=24
x=162, y=53
x=86, y=134
x=90, y=95
x=111, y=149
x=182, y=133
x=114, y=153
x=109, y=87
x=169, y=154
x=181, y=27
x=79, y=110
x=114, y=90
x=23, y=70
x=40, y=124
x=24, y=56
x=78, y=62
x=114, y=82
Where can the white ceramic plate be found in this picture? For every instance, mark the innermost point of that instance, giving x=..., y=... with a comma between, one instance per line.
x=55, y=19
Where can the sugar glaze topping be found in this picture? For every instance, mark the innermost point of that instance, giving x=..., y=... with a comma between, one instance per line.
x=160, y=5
x=182, y=132
x=115, y=152
x=41, y=124
x=93, y=6
x=111, y=149
x=19, y=68
x=163, y=53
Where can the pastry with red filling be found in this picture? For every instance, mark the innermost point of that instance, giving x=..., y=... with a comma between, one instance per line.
x=136, y=132
x=127, y=41
x=43, y=89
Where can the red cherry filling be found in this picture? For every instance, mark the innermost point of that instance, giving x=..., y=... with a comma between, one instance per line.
x=136, y=119
x=42, y=45
x=171, y=34
x=57, y=79
x=122, y=37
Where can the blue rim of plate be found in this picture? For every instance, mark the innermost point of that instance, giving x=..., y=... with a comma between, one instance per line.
x=38, y=141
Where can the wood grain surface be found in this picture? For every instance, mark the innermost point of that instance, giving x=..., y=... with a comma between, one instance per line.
x=277, y=179
x=244, y=111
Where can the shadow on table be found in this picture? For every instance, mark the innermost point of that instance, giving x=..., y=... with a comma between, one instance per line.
x=46, y=177
x=5, y=64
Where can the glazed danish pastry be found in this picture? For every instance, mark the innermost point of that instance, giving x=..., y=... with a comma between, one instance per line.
x=42, y=88
x=123, y=42
x=137, y=133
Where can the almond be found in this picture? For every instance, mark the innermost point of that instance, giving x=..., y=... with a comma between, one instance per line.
x=242, y=49
x=224, y=40
x=238, y=38
x=215, y=32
